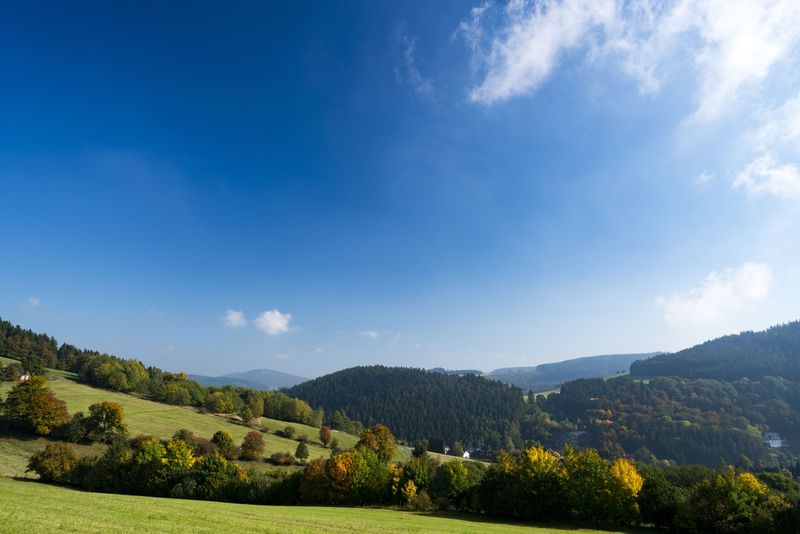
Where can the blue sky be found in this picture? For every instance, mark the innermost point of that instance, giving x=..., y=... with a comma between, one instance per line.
x=307, y=187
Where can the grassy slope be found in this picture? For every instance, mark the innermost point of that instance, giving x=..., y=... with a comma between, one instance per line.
x=27, y=507
x=160, y=420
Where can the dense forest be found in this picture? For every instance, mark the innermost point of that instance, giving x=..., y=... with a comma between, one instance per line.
x=420, y=404
x=754, y=355
x=687, y=421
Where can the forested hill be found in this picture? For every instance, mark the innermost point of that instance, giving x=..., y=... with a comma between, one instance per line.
x=753, y=355
x=418, y=404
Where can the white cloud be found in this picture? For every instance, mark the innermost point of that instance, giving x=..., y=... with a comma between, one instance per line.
x=33, y=303
x=765, y=176
x=730, y=44
x=273, y=322
x=779, y=127
x=372, y=334
x=407, y=72
x=720, y=294
x=527, y=48
x=705, y=177
x=234, y=318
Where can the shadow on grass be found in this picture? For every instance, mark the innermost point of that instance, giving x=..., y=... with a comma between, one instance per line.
x=553, y=525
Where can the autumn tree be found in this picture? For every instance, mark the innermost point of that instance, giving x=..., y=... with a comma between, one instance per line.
x=325, y=435
x=31, y=405
x=54, y=463
x=379, y=439
x=253, y=446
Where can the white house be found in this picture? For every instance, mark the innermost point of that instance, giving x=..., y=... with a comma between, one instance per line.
x=466, y=454
x=773, y=440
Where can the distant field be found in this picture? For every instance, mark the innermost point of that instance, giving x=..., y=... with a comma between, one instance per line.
x=32, y=508
x=163, y=420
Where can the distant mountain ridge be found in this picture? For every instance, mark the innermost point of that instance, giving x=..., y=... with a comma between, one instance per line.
x=268, y=379
x=549, y=376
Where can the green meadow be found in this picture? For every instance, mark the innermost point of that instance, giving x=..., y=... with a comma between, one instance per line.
x=31, y=508
x=161, y=420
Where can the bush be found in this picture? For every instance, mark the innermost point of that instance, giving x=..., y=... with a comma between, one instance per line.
x=287, y=432
x=54, y=463
x=283, y=458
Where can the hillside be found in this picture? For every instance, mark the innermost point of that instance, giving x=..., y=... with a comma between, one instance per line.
x=549, y=376
x=753, y=355
x=151, y=418
x=267, y=379
x=418, y=404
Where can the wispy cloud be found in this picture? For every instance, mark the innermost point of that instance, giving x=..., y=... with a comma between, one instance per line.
x=234, y=318
x=705, y=177
x=765, y=176
x=720, y=294
x=528, y=45
x=730, y=45
x=33, y=303
x=372, y=334
x=273, y=322
x=406, y=71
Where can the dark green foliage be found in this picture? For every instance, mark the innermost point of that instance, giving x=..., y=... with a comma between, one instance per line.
x=685, y=420
x=754, y=355
x=660, y=500
x=302, y=451
x=33, y=365
x=11, y=372
x=418, y=404
x=420, y=447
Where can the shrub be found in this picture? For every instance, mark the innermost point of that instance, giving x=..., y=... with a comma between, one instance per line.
x=282, y=458
x=54, y=463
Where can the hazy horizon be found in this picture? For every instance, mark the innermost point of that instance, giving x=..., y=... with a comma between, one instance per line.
x=468, y=186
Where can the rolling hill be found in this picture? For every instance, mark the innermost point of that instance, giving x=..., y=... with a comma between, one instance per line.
x=419, y=404
x=549, y=376
x=155, y=419
x=266, y=379
x=753, y=355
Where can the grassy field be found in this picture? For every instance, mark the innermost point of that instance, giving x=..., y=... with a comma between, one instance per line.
x=30, y=507
x=155, y=419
